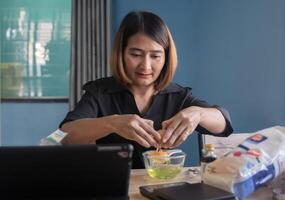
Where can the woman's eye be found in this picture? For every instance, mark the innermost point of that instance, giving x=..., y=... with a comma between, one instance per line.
x=155, y=56
x=135, y=55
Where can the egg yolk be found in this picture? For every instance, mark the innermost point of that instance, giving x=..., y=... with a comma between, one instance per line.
x=159, y=153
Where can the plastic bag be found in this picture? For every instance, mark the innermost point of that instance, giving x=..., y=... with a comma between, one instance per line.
x=54, y=138
x=256, y=161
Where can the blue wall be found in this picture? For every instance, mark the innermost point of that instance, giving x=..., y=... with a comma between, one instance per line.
x=27, y=123
x=230, y=52
x=239, y=51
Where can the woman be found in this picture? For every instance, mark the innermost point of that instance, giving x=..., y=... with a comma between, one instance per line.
x=139, y=104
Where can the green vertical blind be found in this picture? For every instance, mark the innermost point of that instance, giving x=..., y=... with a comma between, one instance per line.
x=35, y=48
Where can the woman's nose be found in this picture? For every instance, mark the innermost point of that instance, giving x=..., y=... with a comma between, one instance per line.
x=146, y=63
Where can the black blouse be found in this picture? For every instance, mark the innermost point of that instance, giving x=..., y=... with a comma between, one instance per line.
x=106, y=96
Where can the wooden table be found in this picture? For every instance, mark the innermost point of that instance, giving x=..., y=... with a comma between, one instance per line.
x=139, y=178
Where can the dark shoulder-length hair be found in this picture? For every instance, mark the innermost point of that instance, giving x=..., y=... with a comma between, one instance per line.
x=154, y=27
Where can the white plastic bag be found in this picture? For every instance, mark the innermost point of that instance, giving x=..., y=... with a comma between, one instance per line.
x=54, y=138
x=256, y=161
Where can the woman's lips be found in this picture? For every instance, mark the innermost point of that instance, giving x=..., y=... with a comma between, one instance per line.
x=143, y=75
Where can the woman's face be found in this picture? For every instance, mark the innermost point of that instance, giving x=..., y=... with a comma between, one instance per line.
x=143, y=60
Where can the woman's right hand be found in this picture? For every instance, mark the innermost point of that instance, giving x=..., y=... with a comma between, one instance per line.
x=133, y=127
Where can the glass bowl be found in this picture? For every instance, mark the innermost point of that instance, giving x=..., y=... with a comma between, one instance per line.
x=164, y=166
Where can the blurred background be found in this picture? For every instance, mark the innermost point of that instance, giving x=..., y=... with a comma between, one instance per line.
x=231, y=52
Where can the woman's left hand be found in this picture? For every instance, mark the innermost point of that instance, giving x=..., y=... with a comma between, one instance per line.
x=176, y=129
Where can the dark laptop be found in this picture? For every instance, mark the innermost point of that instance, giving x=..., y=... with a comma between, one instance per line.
x=185, y=191
x=71, y=172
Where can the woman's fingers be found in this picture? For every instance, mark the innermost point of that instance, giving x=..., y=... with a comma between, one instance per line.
x=144, y=129
x=166, y=123
x=134, y=127
x=149, y=122
x=169, y=130
x=179, y=127
x=146, y=135
x=141, y=140
x=148, y=127
x=177, y=133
